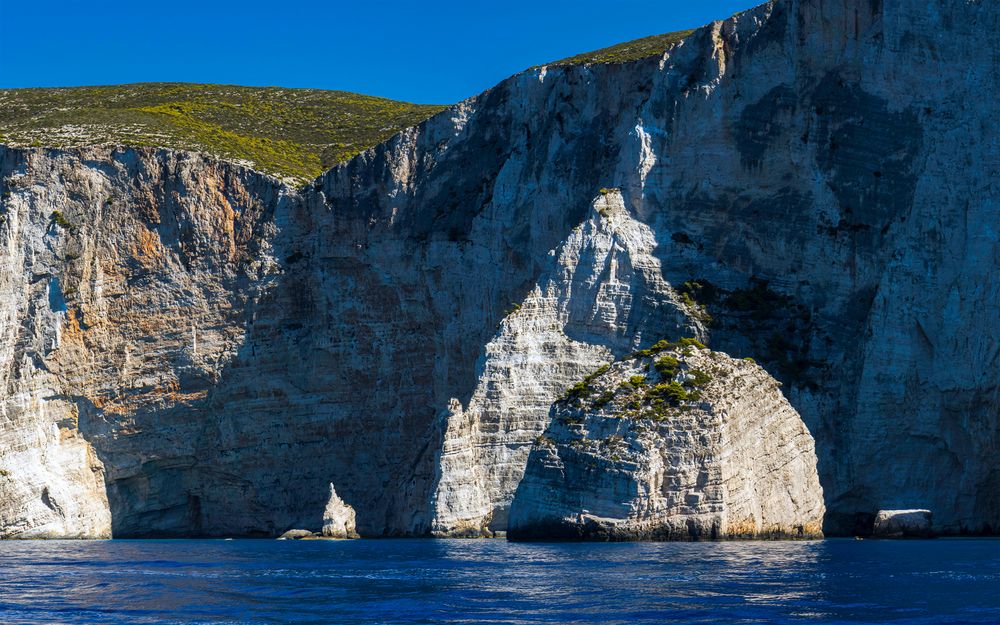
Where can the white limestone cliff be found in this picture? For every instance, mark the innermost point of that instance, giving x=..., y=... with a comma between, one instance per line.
x=705, y=447
x=212, y=345
x=587, y=307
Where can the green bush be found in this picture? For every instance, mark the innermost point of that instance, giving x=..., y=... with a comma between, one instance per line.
x=692, y=342
x=582, y=388
x=700, y=291
x=578, y=390
x=667, y=366
x=604, y=399
x=664, y=345
x=699, y=378
x=700, y=311
x=670, y=392
x=60, y=220
x=656, y=348
x=512, y=309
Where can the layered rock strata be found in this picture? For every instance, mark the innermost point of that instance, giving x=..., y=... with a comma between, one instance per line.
x=602, y=295
x=682, y=443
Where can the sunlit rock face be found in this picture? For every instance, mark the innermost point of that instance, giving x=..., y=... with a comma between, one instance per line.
x=215, y=348
x=339, y=519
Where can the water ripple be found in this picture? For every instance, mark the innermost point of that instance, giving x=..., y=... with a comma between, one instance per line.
x=494, y=582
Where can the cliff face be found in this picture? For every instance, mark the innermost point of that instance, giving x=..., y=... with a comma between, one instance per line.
x=684, y=444
x=218, y=349
x=128, y=278
x=601, y=293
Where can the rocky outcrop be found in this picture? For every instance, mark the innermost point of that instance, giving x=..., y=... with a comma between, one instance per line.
x=681, y=443
x=338, y=518
x=903, y=524
x=297, y=534
x=812, y=175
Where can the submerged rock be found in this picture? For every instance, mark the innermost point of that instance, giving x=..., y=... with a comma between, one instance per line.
x=679, y=443
x=297, y=535
x=903, y=524
x=338, y=518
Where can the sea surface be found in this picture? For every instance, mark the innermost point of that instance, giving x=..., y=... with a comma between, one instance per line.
x=493, y=581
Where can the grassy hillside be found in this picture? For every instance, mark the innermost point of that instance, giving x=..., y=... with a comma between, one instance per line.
x=292, y=133
x=628, y=51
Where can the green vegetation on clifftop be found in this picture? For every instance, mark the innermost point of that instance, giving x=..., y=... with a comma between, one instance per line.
x=628, y=51
x=295, y=134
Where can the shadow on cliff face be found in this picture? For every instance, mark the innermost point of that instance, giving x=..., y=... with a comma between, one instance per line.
x=793, y=267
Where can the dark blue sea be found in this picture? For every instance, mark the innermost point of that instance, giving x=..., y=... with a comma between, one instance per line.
x=493, y=581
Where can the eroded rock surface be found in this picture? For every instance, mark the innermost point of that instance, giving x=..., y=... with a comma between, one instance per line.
x=682, y=444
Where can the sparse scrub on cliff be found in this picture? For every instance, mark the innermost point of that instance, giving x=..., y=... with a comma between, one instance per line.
x=696, y=295
x=670, y=392
x=512, y=309
x=691, y=342
x=698, y=378
x=667, y=366
x=604, y=399
x=583, y=388
x=777, y=325
x=759, y=300
x=60, y=220
x=664, y=345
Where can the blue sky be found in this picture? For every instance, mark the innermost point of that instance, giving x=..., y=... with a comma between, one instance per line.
x=433, y=52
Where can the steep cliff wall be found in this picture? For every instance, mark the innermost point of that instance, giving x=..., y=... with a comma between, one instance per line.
x=130, y=280
x=803, y=160
x=220, y=349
